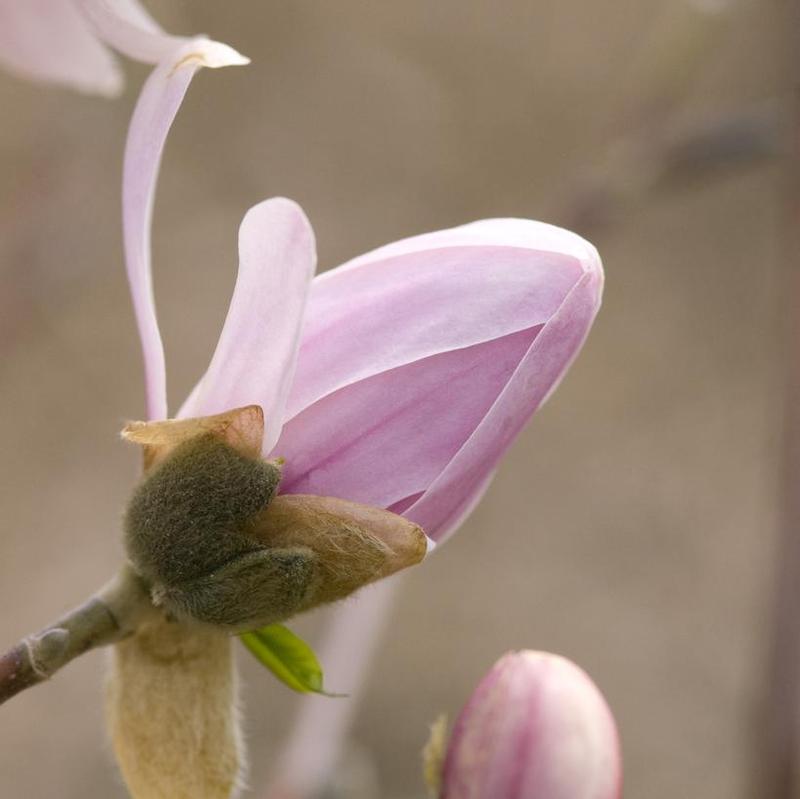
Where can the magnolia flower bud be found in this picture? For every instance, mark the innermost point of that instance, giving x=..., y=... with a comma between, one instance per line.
x=204, y=530
x=536, y=727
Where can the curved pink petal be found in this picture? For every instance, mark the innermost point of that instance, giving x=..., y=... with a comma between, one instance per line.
x=155, y=111
x=422, y=361
x=129, y=29
x=50, y=40
x=509, y=231
x=433, y=293
x=540, y=370
x=536, y=727
x=254, y=362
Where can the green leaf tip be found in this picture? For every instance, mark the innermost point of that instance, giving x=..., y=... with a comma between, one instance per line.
x=288, y=657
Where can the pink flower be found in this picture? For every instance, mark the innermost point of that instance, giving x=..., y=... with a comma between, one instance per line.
x=415, y=365
x=536, y=727
x=397, y=380
x=68, y=41
x=418, y=363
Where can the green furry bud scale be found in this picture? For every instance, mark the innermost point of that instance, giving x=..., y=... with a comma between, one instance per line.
x=188, y=531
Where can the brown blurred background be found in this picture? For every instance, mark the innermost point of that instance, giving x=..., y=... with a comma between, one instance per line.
x=633, y=527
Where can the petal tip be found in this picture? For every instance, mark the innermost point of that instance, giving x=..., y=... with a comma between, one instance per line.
x=265, y=213
x=203, y=52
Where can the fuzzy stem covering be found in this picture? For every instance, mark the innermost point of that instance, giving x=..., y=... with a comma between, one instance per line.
x=171, y=709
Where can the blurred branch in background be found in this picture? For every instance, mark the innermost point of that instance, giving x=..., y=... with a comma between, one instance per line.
x=670, y=56
x=651, y=161
x=647, y=150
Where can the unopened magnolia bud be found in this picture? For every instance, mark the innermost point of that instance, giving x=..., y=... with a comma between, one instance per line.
x=204, y=530
x=536, y=727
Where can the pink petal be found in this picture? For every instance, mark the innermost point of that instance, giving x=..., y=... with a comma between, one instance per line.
x=155, y=111
x=442, y=506
x=129, y=29
x=254, y=362
x=433, y=293
x=510, y=232
x=422, y=361
x=374, y=441
x=49, y=40
x=536, y=727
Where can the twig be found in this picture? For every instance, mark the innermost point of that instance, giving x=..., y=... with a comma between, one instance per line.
x=111, y=614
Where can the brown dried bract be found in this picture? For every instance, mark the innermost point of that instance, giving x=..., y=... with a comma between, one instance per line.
x=241, y=428
x=355, y=544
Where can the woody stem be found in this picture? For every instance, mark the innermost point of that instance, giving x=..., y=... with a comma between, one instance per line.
x=109, y=615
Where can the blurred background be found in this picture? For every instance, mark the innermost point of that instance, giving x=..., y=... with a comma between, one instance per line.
x=634, y=527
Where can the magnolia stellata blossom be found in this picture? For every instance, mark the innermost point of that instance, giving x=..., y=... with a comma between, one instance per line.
x=397, y=380
x=536, y=727
x=418, y=363
x=67, y=42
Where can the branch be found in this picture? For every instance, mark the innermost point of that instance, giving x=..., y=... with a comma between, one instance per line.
x=111, y=614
